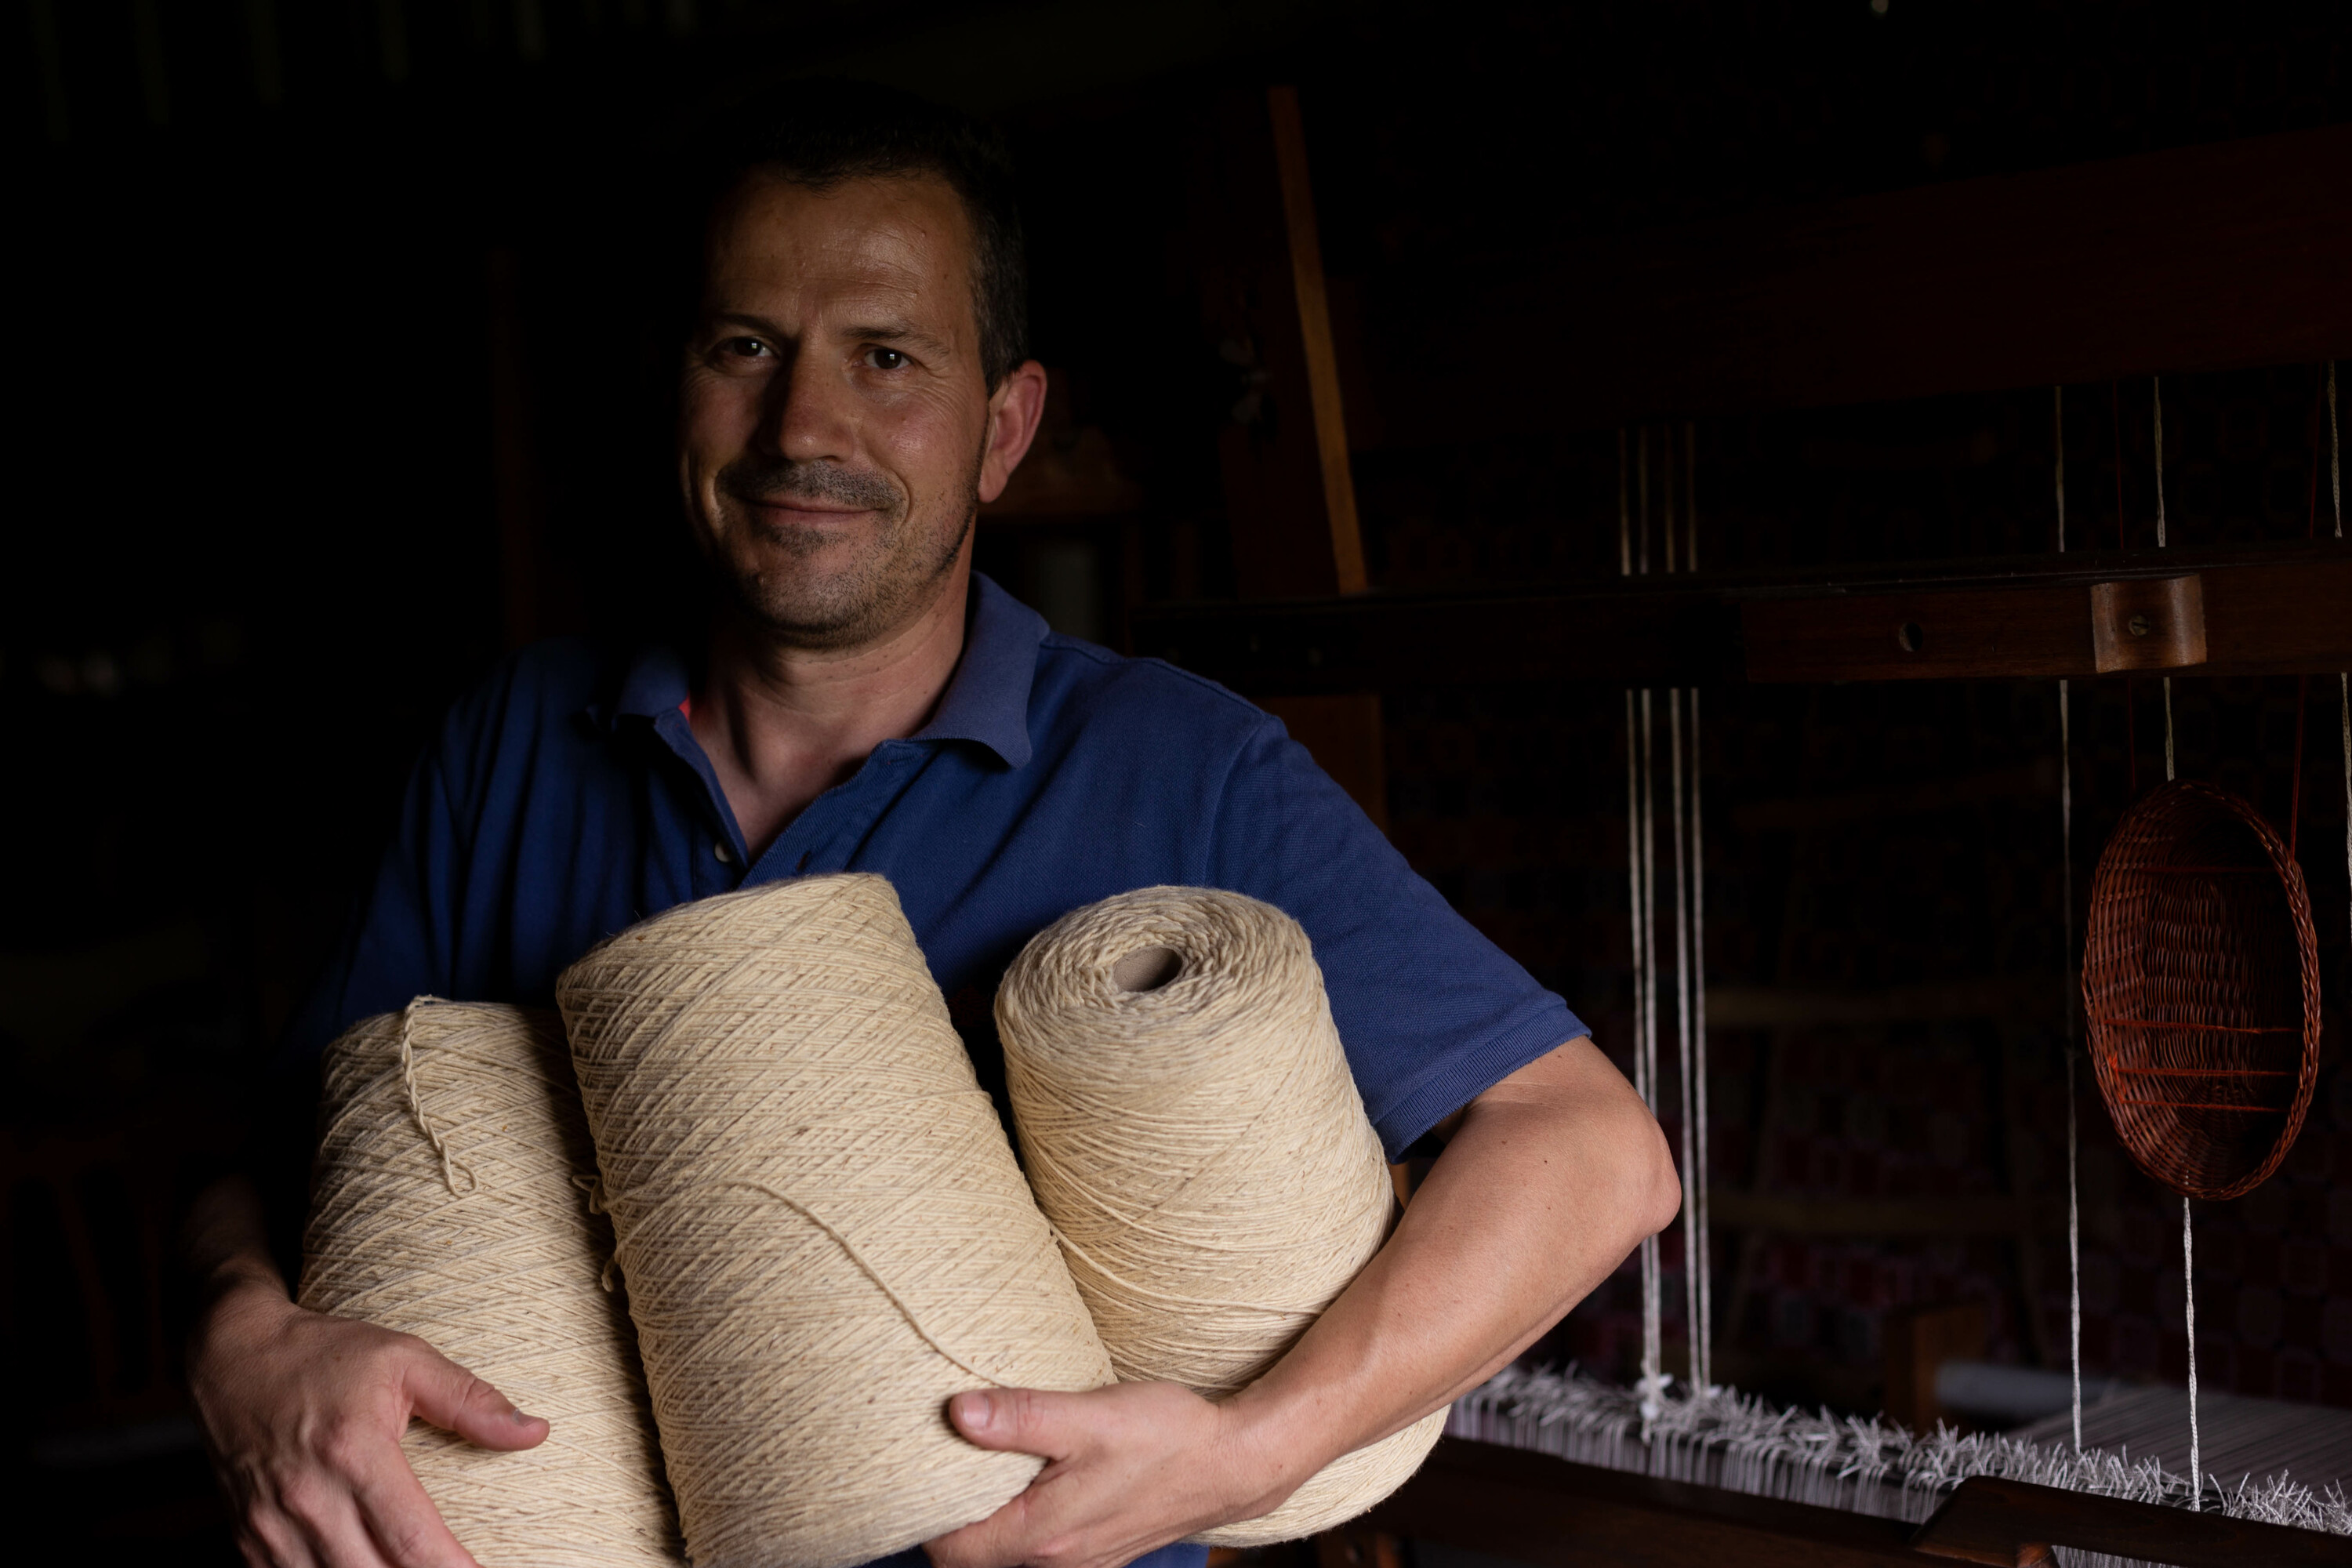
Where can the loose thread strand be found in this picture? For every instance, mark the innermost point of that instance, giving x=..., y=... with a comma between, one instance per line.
x=2189, y=1284
x=450, y=1164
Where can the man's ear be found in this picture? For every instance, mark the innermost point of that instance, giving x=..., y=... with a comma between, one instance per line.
x=1015, y=409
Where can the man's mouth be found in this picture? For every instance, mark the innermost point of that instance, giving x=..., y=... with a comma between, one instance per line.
x=792, y=508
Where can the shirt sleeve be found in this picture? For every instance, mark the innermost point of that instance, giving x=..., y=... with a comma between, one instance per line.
x=1431, y=1012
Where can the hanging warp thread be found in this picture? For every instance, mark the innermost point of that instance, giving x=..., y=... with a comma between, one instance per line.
x=1191, y=1127
x=1690, y=986
x=821, y=1222
x=2066, y=926
x=1681, y=546
x=1641, y=792
x=443, y=1205
x=1696, y=1197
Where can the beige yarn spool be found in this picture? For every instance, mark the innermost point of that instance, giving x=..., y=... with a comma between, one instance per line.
x=1191, y=1127
x=443, y=1205
x=822, y=1224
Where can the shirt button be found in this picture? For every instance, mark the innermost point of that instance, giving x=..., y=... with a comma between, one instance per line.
x=722, y=854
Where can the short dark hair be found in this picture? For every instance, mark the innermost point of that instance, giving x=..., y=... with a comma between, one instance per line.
x=823, y=130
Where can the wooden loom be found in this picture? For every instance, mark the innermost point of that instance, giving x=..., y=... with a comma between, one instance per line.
x=2127, y=268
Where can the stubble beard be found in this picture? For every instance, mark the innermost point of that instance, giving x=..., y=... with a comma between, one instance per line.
x=897, y=571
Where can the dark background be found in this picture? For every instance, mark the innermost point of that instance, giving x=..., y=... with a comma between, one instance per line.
x=338, y=372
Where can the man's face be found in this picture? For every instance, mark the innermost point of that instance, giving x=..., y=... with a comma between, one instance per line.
x=837, y=427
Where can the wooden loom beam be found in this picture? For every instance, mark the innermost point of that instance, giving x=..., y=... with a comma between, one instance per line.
x=2265, y=610
x=1538, y=1509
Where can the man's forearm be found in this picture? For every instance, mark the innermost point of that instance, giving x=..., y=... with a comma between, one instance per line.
x=1551, y=1178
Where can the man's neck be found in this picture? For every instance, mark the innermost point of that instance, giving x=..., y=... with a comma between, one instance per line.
x=782, y=724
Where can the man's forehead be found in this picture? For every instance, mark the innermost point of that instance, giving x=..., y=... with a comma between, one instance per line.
x=905, y=237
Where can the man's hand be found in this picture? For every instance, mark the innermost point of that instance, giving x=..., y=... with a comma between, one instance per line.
x=1548, y=1179
x=304, y=1414
x=1129, y=1468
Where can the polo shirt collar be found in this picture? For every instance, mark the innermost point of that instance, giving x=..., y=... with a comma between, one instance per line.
x=986, y=700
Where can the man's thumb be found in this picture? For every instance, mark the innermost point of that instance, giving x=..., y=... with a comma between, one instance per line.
x=1024, y=1420
x=449, y=1395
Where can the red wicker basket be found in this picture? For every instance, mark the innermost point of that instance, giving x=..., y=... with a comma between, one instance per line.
x=2201, y=985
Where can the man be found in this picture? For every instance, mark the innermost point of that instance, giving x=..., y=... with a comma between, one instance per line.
x=853, y=385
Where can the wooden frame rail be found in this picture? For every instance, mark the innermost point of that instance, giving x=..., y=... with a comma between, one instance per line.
x=2285, y=609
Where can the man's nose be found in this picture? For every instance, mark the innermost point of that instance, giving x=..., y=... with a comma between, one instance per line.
x=812, y=413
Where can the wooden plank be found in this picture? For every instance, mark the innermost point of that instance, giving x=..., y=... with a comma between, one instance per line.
x=2262, y=620
x=1991, y=634
x=1539, y=1509
x=1916, y=1342
x=1315, y=334
x=2218, y=257
x=2015, y=1522
x=2157, y=624
x=2268, y=610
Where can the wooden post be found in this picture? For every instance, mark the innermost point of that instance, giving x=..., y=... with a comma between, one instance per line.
x=1917, y=1341
x=1289, y=495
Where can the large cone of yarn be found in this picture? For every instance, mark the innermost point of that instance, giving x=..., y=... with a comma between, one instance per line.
x=823, y=1229
x=1191, y=1127
x=444, y=1206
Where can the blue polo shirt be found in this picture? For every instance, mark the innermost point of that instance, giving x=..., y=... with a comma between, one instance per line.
x=566, y=799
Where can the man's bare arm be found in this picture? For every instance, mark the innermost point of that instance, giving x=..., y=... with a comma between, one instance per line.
x=1549, y=1179
x=304, y=1413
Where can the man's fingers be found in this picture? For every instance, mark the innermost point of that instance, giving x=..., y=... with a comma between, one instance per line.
x=453, y=1398
x=1024, y=1420
x=403, y=1524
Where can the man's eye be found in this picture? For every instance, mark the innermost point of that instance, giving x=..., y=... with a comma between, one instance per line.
x=886, y=358
x=743, y=348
